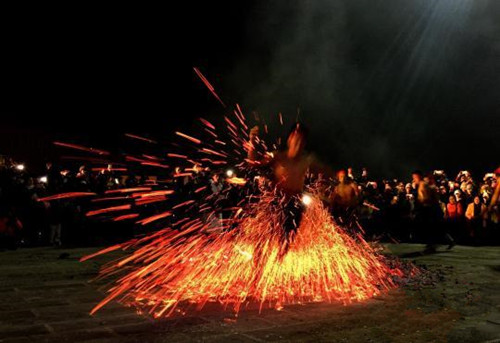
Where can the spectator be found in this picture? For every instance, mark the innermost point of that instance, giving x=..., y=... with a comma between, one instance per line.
x=10, y=230
x=476, y=216
x=454, y=209
x=344, y=197
x=350, y=174
x=390, y=209
x=55, y=218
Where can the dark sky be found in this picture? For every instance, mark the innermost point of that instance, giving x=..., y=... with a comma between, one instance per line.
x=388, y=84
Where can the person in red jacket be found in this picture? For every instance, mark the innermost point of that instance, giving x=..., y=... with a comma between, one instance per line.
x=454, y=215
x=454, y=209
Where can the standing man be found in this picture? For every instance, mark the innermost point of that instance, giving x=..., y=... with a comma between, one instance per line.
x=289, y=168
x=344, y=198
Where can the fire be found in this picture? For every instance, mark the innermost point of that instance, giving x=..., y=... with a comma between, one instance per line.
x=245, y=257
x=172, y=270
x=236, y=180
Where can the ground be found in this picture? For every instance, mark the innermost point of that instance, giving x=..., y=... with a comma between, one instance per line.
x=46, y=297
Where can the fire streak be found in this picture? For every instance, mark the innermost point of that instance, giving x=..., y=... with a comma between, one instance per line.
x=245, y=257
x=192, y=139
x=172, y=269
x=108, y=209
x=66, y=196
x=82, y=148
x=209, y=86
x=140, y=138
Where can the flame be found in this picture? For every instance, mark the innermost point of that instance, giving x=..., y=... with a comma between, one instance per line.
x=172, y=269
x=236, y=259
x=236, y=180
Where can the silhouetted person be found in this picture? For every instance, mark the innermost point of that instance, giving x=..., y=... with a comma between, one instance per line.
x=55, y=219
x=289, y=169
x=344, y=197
x=428, y=212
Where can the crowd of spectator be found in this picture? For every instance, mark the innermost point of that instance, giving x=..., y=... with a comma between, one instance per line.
x=26, y=219
x=431, y=208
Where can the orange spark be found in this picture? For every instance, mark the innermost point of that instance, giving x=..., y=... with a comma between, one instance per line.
x=154, y=218
x=207, y=123
x=66, y=196
x=236, y=181
x=172, y=269
x=200, y=189
x=210, y=151
x=211, y=132
x=185, y=203
x=107, y=210
x=82, y=148
x=152, y=194
x=176, y=156
x=192, y=139
x=140, y=138
x=209, y=86
x=149, y=200
x=108, y=199
x=230, y=123
x=182, y=174
x=154, y=164
x=128, y=190
x=152, y=157
x=126, y=216
x=104, y=251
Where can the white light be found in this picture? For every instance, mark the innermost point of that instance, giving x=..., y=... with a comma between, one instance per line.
x=43, y=179
x=307, y=199
x=229, y=173
x=20, y=167
x=117, y=182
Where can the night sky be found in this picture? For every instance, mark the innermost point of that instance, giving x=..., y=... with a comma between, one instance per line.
x=387, y=84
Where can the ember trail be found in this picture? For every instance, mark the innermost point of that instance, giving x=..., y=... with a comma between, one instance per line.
x=259, y=235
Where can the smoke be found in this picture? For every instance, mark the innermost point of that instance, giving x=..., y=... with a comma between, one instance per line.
x=382, y=84
x=302, y=47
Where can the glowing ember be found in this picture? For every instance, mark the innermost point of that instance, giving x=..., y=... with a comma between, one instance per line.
x=208, y=84
x=229, y=253
x=140, y=138
x=82, y=148
x=107, y=210
x=66, y=196
x=192, y=139
x=307, y=199
x=236, y=180
x=174, y=269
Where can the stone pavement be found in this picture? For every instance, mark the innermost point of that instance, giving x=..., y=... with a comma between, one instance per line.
x=45, y=298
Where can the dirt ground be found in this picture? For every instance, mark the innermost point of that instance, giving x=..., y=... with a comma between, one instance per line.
x=46, y=296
